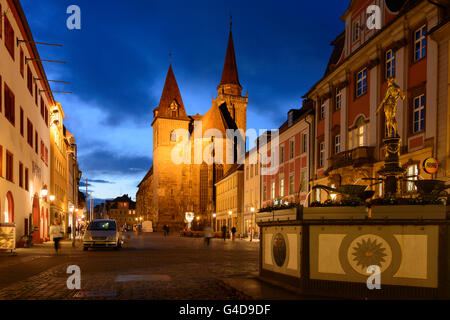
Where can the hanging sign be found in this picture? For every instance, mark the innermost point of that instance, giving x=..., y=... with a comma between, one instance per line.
x=430, y=165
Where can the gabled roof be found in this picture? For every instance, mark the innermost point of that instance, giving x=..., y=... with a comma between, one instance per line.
x=230, y=72
x=171, y=93
x=218, y=117
x=148, y=175
x=233, y=169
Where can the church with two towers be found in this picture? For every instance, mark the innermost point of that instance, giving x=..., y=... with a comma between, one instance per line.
x=169, y=190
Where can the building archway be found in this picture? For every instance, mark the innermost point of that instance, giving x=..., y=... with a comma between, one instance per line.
x=8, y=211
x=36, y=220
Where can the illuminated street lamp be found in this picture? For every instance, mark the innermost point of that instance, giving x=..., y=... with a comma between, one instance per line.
x=44, y=192
x=189, y=216
x=52, y=198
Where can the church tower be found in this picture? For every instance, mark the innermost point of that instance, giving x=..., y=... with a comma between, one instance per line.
x=170, y=181
x=229, y=91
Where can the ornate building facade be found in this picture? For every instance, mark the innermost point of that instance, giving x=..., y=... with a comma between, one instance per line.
x=171, y=189
x=349, y=131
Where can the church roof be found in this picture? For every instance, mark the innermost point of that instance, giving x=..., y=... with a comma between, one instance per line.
x=218, y=117
x=148, y=175
x=171, y=93
x=230, y=72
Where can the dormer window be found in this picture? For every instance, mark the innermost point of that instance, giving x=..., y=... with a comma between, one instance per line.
x=174, y=109
x=291, y=118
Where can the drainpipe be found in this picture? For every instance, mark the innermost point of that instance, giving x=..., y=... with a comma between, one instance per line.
x=310, y=152
x=440, y=6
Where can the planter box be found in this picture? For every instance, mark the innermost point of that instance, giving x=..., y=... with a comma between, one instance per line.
x=277, y=215
x=409, y=212
x=336, y=213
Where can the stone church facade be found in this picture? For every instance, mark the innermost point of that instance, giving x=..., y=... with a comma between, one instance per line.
x=169, y=190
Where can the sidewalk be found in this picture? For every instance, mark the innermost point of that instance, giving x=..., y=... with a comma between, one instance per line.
x=44, y=248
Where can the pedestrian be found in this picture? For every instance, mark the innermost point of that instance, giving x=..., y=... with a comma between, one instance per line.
x=208, y=234
x=165, y=230
x=69, y=231
x=233, y=232
x=168, y=229
x=56, y=234
x=224, y=232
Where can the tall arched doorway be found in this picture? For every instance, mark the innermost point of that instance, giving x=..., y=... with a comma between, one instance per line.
x=36, y=220
x=8, y=213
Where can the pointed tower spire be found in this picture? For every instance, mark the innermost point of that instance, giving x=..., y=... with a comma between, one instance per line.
x=171, y=104
x=230, y=73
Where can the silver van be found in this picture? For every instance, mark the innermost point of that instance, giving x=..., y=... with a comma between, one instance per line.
x=102, y=233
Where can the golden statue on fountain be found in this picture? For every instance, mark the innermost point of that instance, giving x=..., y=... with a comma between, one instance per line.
x=391, y=170
x=393, y=94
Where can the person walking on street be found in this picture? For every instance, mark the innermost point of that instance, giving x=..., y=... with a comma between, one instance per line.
x=165, y=230
x=233, y=232
x=69, y=231
x=208, y=235
x=224, y=232
x=56, y=234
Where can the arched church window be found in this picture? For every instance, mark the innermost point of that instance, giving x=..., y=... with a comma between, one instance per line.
x=173, y=136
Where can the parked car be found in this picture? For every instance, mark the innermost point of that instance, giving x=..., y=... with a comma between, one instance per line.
x=102, y=233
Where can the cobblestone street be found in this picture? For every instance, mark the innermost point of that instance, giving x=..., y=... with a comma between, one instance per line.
x=149, y=266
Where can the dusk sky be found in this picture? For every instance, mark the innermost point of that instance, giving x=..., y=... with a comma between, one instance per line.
x=117, y=64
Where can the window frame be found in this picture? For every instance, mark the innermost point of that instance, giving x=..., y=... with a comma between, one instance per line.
x=337, y=144
x=421, y=110
x=421, y=41
x=362, y=81
x=389, y=64
x=338, y=99
x=9, y=174
x=10, y=104
x=322, y=154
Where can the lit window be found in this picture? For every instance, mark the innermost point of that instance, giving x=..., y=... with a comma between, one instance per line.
x=419, y=114
x=282, y=187
x=303, y=181
x=273, y=190
x=321, y=154
x=413, y=172
x=420, y=43
x=337, y=144
x=265, y=193
x=291, y=184
x=358, y=136
x=338, y=99
x=361, y=82
x=390, y=64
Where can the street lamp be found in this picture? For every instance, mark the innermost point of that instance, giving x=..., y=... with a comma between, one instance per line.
x=52, y=198
x=189, y=217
